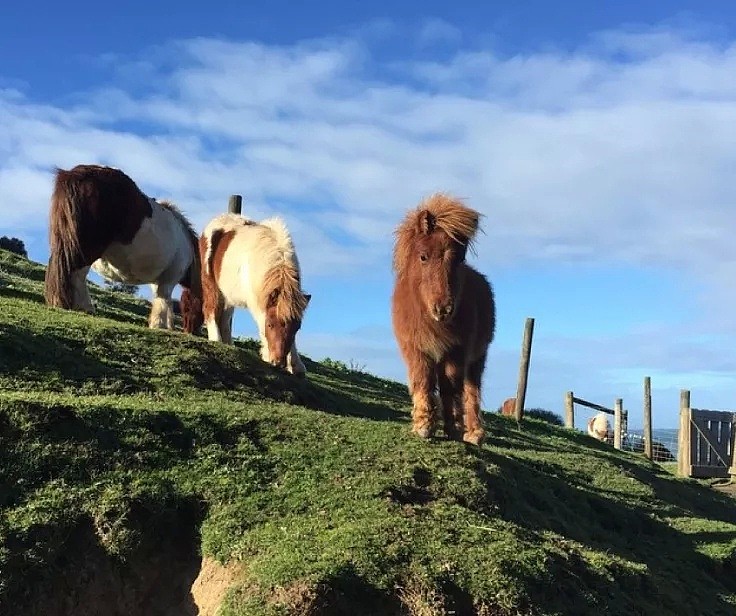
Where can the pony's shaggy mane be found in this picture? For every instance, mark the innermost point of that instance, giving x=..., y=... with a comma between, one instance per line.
x=282, y=277
x=448, y=214
x=179, y=215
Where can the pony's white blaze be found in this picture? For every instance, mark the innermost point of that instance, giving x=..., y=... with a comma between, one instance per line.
x=253, y=250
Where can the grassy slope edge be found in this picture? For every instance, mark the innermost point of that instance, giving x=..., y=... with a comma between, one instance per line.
x=126, y=443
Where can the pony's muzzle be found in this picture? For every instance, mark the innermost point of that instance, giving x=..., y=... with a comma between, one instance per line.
x=443, y=311
x=279, y=363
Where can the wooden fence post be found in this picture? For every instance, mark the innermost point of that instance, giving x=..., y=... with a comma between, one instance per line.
x=683, y=440
x=648, y=417
x=618, y=411
x=569, y=410
x=526, y=352
x=235, y=204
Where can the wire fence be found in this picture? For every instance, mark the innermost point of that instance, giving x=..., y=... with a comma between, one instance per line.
x=664, y=443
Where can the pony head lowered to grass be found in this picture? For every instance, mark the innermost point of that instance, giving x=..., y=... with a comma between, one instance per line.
x=254, y=265
x=99, y=218
x=443, y=315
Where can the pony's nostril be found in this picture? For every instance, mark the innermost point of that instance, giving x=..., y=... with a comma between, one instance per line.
x=443, y=310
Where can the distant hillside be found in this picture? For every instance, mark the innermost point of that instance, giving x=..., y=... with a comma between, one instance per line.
x=147, y=472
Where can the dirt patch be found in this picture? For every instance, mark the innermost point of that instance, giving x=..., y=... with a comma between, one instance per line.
x=727, y=486
x=163, y=575
x=211, y=585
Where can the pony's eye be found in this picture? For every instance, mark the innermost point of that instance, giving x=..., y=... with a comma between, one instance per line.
x=423, y=257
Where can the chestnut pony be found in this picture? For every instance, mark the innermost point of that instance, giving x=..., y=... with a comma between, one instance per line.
x=443, y=315
x=254, y=265
x=99, y=218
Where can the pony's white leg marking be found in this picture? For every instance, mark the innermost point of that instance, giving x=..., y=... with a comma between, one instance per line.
x=213, y=330
x=226, y=325
x=294, y=363
x=162, y=312
x=80, y=291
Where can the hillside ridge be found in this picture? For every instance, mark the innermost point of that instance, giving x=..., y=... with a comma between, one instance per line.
x=151, y=472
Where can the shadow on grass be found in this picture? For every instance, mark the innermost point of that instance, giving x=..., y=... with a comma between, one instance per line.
x=541, y=501
x=47, y=357
x=49, y=442
x=347, y=592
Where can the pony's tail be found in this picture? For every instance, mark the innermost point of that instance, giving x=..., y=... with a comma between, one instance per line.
x=65, y=249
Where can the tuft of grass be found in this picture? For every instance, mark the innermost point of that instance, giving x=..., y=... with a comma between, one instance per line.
x=139, y=450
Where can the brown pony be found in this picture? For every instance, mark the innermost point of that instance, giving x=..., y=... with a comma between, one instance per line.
x=509, y=407
x=444, y=316
x=100, y=219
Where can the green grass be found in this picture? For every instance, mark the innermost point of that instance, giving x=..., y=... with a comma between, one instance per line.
x=139, y=450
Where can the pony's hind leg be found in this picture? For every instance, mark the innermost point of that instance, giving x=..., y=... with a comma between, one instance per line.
x=80, y=290
x=422, y=382
x=162, y=311
x=225, y=322
x=474, y=431
x=212, y=316
x=450, y=378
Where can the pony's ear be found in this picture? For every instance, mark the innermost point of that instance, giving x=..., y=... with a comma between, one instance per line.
x=307, y=296
x=426, y=222
x=273, y=298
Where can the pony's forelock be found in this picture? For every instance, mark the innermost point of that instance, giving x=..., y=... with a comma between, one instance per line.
x=439, y=210
x=282, y=283
x=283, y=278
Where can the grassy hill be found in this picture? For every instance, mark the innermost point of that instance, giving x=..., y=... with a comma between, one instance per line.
x=148, y=472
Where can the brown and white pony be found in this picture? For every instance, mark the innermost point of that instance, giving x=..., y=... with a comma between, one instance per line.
x=443, y=314
x=600, y=428
x=254, y=265
x=99, y=218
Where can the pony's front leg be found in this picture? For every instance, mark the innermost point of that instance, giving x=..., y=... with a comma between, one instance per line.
x=474, y=432
x=162, y=312
x=294, y=363
x=451, y=374
x=422, y=381
x=80, y=291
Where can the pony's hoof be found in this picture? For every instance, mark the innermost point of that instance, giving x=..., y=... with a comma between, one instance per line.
x=476, y=437
x=454, y=433
x=424, y=431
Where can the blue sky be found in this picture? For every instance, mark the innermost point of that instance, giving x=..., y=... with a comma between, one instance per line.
x=596, y=139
